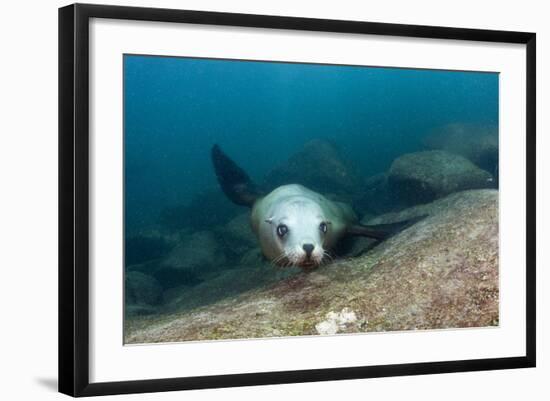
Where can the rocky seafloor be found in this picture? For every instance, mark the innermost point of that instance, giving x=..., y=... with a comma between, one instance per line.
x=440, y=273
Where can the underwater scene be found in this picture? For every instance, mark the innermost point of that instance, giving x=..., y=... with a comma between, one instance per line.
x=273, y=199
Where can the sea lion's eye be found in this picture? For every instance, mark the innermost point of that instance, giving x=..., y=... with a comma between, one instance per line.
x=282, y=230
x=323, y=227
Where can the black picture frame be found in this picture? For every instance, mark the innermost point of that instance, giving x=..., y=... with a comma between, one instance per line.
x=74, y=198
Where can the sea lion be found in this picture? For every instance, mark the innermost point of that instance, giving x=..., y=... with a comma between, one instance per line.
x=295, y=225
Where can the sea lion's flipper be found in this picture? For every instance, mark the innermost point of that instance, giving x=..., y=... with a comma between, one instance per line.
x=235, y=183
x=382, y=231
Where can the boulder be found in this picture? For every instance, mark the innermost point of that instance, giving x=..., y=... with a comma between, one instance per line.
x=192, y=257
x=254, y=257
x=170, y=276
x=237, y=236
x=139, y=310
x=142, y=289
x=145, y=247
x=166, y=275
x=439, y=273
x=225, y=284
x=477, y=143
x=200, y=252
x=353, y=246
x=318, y=166
x=422, y=177
x=376, y=197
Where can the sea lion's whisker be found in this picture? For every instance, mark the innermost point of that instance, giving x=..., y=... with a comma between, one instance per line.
x=276, y=262
x=273, y=262
x=328, y=256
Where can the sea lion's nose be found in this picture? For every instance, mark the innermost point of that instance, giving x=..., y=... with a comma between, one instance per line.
x=308, y=248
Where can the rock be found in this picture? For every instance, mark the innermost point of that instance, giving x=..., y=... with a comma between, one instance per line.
x=425, y=176
x=145, y=247
x=139, y=310
x=440, y=273
x=253, y=257
x=352, y=246
x=170, y=276
x=205, y=211
x=200, y=255
x=237, y=235
x=478, y=143
x=318, y=166
x=376, y=197
x=142, y=289
x=167, y=276
x=192, y=258
x=226, y=284
x=240, y=229
x=199, y=252
x=336, y=322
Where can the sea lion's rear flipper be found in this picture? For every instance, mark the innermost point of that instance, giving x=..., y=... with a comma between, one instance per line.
x=235, y=183
x=383, y=231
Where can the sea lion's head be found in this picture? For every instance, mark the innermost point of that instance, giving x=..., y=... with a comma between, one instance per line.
x=296, y=232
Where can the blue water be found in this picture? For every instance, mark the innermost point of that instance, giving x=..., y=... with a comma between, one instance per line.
x=261, y=113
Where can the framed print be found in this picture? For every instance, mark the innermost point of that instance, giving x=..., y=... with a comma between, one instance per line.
x=250, y=199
